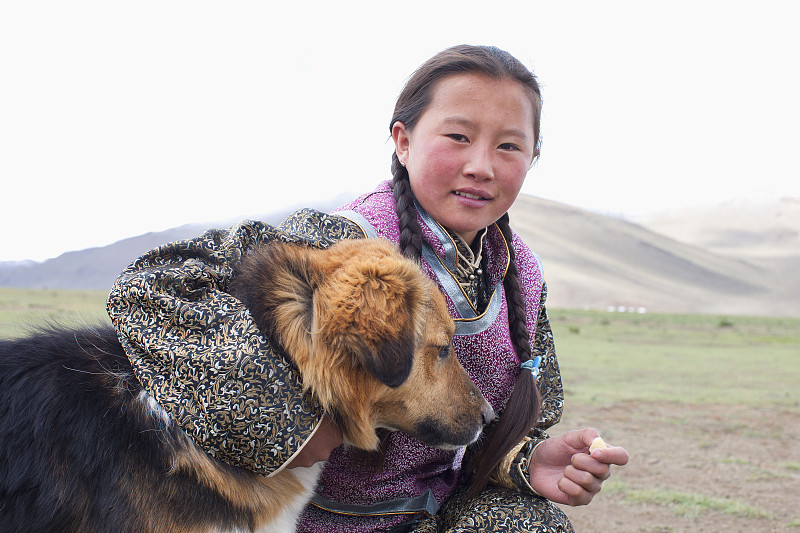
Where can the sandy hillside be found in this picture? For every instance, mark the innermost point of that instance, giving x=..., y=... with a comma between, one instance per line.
x=763, y=228
x=595, y=261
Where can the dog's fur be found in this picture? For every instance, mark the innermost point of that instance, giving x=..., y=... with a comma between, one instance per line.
x=84, y=448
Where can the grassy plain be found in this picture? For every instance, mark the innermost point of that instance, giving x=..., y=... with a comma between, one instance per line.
x=24, y=309
x=708, y=407
x=692, y=359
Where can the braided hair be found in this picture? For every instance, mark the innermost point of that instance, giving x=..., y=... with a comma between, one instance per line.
x=410, y=230
x=522, y=410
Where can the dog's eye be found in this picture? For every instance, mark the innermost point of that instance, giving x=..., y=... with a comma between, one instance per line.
x=444, y=351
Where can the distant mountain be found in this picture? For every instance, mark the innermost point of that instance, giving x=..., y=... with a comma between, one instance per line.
x=763, y=228
x=598, y=262
x=93, y=268
x=4, y=265
x=97, y=268
x=590, y=261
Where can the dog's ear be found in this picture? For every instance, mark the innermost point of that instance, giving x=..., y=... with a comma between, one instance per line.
x=368, y=305
x=389, y=357
x=274, y=283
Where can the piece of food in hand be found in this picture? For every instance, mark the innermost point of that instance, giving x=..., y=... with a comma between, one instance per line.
x=597, y=444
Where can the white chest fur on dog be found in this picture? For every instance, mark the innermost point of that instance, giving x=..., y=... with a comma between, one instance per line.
x=286, y=521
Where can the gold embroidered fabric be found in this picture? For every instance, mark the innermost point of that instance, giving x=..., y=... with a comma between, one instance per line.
x=198, y=352
x=502, y=476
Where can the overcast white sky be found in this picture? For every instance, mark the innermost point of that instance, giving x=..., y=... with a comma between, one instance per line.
x=118, y=118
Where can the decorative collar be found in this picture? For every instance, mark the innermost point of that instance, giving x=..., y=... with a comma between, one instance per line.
x=468, y=271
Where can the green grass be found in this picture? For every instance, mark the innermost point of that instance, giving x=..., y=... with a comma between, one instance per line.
x=690, y=504
x=692, y=359
x=687, y=504
x=23, y=309
x=786, y=469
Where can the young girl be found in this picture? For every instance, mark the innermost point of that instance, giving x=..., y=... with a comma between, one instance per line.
x=466, y=132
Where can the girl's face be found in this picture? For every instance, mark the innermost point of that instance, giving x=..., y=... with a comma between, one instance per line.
x=470, y=150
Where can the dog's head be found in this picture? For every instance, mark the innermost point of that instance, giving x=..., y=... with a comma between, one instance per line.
x=371, y=335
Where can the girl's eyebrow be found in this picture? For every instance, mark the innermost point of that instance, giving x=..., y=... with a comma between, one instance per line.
x=457, y=120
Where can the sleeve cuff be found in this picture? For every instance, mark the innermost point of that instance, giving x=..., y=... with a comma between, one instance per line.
x=513, y=472
x=282, y=467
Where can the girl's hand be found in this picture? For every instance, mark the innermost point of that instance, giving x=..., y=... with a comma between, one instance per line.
x=319, y=447
x=563, y=471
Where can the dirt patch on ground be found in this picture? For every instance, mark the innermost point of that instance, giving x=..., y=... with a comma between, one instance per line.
x=706, y=468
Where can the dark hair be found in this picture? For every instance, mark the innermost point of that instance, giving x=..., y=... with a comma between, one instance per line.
x=522, y=409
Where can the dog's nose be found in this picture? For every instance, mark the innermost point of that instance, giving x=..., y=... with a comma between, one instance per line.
x=488, y=414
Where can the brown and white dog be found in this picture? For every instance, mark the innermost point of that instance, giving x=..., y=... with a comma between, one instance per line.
x=84, y=448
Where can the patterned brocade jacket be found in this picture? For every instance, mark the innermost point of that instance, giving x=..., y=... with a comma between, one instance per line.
x=197, y=351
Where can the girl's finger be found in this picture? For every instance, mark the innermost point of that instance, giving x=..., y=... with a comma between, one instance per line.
x=588, y=463
x=613, y=455
x=576, y=494
x=584, y=479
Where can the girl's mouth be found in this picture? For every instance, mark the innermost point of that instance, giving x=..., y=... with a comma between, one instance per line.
x=468, y=195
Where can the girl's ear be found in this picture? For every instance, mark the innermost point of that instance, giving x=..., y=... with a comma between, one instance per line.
x=401, y=141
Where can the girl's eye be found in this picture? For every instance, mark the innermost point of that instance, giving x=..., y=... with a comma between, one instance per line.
x=457, y=137
x=509, y=146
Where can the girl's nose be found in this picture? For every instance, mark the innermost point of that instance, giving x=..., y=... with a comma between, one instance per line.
x=479, y=165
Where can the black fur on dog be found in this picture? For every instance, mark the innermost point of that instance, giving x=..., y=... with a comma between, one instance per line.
x=73, y=432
